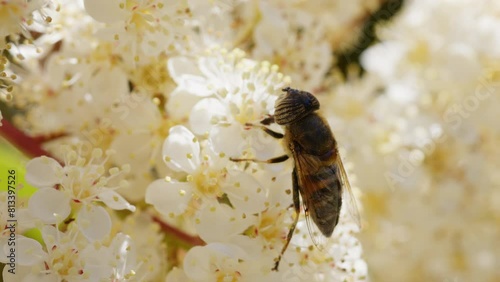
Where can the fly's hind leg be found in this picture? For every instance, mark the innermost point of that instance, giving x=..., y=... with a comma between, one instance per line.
x=296, y=205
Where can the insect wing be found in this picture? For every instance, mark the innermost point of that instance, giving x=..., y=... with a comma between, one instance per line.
x=347, y=195
x=306, y=164
x=316, y=236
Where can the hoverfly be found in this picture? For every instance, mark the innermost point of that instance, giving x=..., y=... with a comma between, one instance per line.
x=318, y=175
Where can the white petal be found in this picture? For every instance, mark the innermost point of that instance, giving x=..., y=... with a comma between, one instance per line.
x=196, y=85
x=28, y=251
x=229, y=222
x=179, y=66
x=180, y=103
x=94, y=222
x=124, y=252
x=98, y=262
x=169, y=197
x=177, y=275
x=108, y=85
x=245, y=193
x=182, y=150
x=41, y=172
x=228, y=139
x=106, y=11
x=202, y=114
x=51, y=235
x=115, y=200
x=199, y=261
x=25, y=274
x=49, y=205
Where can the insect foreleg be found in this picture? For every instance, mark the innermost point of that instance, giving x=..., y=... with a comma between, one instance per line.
x=270, y=161
x=268, y=120
x=296, y=205
x=274, y=134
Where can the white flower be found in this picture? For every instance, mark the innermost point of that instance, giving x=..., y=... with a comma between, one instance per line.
x=77, y=36
x=149, y=246
x=234, y=91
x=220, y=262
x=78, y=182
x=15, y=17
x=82, y=87
x=140, y=130
x=142, y=29
x=296, y=41
x=68, y=257
x=414, y=63
x=208, y=179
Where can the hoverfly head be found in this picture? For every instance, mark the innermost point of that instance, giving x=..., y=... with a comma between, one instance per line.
x=294, y=105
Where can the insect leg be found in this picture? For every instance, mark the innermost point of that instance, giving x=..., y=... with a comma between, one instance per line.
x=268, y=120
x=270, y=161
x=296, y=205
x=274, y=134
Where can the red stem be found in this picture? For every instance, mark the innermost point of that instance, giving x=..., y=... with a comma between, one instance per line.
x=28, y=145
x=181, y=235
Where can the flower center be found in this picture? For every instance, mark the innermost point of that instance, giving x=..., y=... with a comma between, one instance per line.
x=63, y=261
x=223, y=276
x=208, y=182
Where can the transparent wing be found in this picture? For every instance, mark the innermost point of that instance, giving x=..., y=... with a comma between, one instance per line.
x=347, y=195
x=303, y=164
x=317, y=237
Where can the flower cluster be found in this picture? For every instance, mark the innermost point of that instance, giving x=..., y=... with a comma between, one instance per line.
x=136, y=110
x=77, y=241
x=149, y=100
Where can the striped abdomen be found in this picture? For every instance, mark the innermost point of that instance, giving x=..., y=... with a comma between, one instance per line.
x=325, y=201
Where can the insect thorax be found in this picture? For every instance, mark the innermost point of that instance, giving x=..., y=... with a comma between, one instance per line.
x=312, y=134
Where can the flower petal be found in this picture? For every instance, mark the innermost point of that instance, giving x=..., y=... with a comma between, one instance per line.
x=105, y=11
x=28, y=251
x=228, y=139
x=245, y=193
x=181, y=150
x=124, y=252
x=25, y=274
x=115, y=200
x=196, y=85
x=229, y=222
x=199, y=261
x=180, y=103
x=49, y=205
x=180, y=66
x=202, y=114
x=177, y=275
x=169, y=197
x=94, y=222
x=41, y=172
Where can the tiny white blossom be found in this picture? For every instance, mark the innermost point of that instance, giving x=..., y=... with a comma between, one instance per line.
x=80, y=181
x=207, y=178
x=232, y=91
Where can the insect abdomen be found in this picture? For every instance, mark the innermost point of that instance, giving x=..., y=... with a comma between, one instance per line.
x=327, y=199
